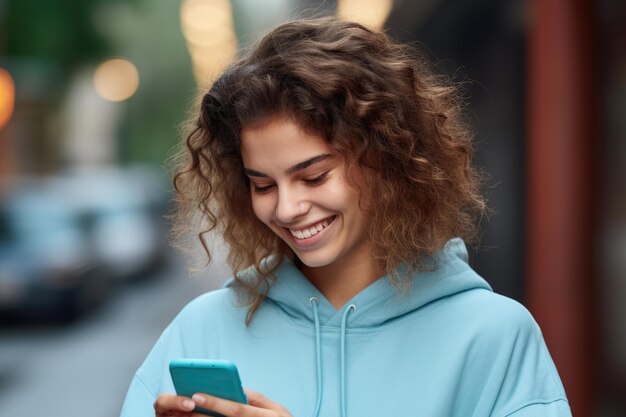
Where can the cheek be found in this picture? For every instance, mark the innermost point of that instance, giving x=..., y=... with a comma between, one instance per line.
x=262, y=208
x=344, y=196
x=352, y=204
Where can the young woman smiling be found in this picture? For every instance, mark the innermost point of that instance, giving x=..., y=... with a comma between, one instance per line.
x=300, y=192
x=338, y=169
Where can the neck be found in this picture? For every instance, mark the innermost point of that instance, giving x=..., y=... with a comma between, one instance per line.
x=341, y=281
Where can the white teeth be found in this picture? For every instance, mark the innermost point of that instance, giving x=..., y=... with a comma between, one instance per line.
x=311, y=231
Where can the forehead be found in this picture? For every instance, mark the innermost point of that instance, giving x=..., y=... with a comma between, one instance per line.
x=280, y=143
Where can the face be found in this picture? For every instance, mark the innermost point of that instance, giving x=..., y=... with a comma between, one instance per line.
x=299, y=190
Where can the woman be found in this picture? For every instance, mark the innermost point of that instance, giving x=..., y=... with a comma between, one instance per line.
x=338, y=170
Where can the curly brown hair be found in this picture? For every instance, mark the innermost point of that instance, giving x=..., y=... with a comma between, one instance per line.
x=374, y=101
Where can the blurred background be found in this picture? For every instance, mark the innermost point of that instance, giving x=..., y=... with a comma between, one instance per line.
x=92, y=95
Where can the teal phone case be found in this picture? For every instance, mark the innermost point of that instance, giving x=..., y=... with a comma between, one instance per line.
x=214, y=377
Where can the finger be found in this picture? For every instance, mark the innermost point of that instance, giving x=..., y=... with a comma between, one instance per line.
x=259, y=400
x=168, y=403
x=230, y=408
x=204, y=413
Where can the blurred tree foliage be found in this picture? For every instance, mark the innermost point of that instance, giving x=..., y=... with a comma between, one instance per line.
x=60, y=38
x=148, y=33
x=59, y=30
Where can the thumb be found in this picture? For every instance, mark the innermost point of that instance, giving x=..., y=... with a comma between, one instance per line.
x=257, y=399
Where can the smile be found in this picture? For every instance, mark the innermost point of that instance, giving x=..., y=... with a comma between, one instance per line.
x=311, y=231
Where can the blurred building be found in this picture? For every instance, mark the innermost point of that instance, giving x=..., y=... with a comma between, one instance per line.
x=547, y=83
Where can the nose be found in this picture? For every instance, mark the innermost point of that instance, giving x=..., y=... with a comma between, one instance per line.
x=291, y=205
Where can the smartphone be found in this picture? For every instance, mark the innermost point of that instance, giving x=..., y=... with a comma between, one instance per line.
x=214, y=377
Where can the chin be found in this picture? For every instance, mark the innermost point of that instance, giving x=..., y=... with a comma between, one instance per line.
x=314, y=260
x=312, y=264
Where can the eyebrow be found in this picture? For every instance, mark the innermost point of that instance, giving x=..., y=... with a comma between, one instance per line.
x=293, y=169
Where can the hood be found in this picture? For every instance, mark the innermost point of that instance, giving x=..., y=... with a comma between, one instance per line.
x=380, y=302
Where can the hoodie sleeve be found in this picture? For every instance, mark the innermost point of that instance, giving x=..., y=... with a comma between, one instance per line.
x=139, y=400
x=153, y=377
x=555, y=408
x=527, y=382
x=186, y=336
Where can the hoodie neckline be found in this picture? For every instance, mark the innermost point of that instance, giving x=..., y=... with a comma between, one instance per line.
x=380, y=302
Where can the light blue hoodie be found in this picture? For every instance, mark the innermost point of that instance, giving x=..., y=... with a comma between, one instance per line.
x=450, y=347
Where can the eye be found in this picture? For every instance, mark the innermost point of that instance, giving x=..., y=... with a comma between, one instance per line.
x=317, y=180
x=262, y=190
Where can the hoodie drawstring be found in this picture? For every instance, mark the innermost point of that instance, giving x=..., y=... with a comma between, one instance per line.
x=314, y=301
x=344, y=319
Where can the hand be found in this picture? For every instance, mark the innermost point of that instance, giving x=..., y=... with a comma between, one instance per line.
x=258, y=406
x=170, y=405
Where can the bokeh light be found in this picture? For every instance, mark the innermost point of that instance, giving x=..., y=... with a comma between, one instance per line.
x=7, y=97
x=116, y=79
x=209, y=31
x=371, y=13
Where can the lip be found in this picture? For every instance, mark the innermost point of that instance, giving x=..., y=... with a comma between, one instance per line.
x=313, y=240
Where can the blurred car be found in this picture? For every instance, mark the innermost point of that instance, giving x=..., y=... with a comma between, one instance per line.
x=126, y=208
x=47, y=268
